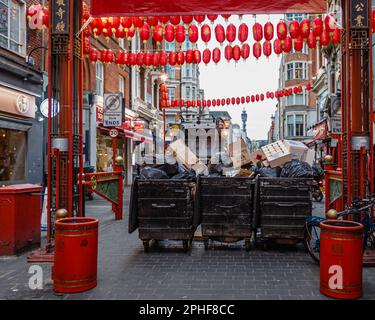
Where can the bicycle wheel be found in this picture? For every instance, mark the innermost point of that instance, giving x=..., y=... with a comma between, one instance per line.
x=312, y=240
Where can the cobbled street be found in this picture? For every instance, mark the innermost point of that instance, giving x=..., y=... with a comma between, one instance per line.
x=224, y=272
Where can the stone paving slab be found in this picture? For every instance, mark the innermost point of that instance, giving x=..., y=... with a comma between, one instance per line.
x=126, y=272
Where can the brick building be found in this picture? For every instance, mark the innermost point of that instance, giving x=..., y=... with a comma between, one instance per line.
x=296, y=113
x=22, y=90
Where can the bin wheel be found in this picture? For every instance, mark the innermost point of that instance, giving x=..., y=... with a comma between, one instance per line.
x=206, y=244
x=185, y=244
x=248, y=245
x=146, y=246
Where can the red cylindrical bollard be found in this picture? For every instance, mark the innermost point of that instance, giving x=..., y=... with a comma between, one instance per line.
x=76, y=255
x=341, y=256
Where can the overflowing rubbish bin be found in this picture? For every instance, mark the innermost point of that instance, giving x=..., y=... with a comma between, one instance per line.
x=226, y=206
x=20, y=217
x=164, y=210
x=341, y=257
x=282, y=206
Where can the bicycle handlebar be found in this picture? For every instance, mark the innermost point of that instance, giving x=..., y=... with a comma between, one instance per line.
x=354, y=210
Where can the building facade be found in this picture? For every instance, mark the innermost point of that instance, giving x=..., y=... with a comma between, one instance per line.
x=296, y=113
x=21, y=94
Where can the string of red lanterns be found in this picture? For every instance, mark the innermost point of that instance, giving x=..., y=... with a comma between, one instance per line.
x=234, y=101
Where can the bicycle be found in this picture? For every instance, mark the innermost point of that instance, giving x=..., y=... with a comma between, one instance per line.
x=312, y=226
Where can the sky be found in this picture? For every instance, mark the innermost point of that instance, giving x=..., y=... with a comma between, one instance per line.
x=244, y=78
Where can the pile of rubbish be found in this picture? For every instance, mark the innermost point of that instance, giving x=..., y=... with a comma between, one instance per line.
x=284, y=159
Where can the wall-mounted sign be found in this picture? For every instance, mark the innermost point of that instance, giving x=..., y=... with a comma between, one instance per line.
x=23, y=104
x=55, y=106
x=112, y=110
x=60, y=16
x=359, y=14
x=335, y=124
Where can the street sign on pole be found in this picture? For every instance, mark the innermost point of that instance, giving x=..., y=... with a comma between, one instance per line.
x=112, y=110
x=113, y=133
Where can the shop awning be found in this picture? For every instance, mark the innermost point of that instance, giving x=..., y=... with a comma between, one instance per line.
x=321, y=131
x=199, y=7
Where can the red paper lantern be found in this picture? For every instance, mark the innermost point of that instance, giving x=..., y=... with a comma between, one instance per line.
x=281, y=30
x=199, y=19
x=226, y=16
x=140, y=58
x=231, y=33
x=187, y=19
x=147, y=59
x=336, y=36
x=294, y=30
x=175, y=20
x=152, y=21
x=206, y=33
x=228, y=101
x=248, y=99
x=257, y=97
x=238, y=101
x=216, y=55
x=228, y=52
x=130, y=33
x=220, y=33
x=206, y=56
x=199, y=103
x=93, y=55
x=245, y=51
x=330, y=22
x=218, y=102
x=188, y=104
x=156, y=59
x=298, y=44
x=223, y=102
x=107, y=33
x=277, y=47
x=304, y=28
x=180, y=58
x=272, y=95
x=236, y=53
x=132, y=59
x=257, y=50
x=317, y=27
x=119, y=57
x=295, y=90
x=180, y=33
x=288, y=44
x=172, y=58
x=243, y=32
x=204, y=103
x=163, y=58
x=110, y=56
x=138, y=22
x=267, y=48
x=197, y=56
x=324, y=38
x=212, y=17
x=120, y=33
x=169, y=33
x=311, y=41
x=126, y=22
x=103, y=56
x=164, y=19
x=144, y=33
x=252, y=99
x=193, y=33
x=189, y=56
x=158, y=33
x=262, y=97
x=114, y=24
x=243, y=100
x=96, y=26
x=308, y=86
x=233, y=101
x=208, y=103
x=45, y=18
x=257, y=32
x=269, y=31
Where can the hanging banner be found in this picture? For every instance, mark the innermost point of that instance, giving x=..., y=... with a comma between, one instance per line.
x=199, y=7
x=60, y=16
x=359, y=14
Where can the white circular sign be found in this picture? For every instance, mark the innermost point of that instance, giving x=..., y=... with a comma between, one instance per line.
x=23, y=104
x=44, y=108
x=113, y=133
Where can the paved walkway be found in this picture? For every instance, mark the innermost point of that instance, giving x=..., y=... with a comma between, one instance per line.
x=125, y=272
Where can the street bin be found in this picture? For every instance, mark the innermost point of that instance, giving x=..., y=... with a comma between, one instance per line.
x=341, y=256
x=226, y=207
x=282, y=206
x=19, y=218
x=76, y=255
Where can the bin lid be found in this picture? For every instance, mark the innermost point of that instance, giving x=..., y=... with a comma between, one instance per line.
x=20, y=188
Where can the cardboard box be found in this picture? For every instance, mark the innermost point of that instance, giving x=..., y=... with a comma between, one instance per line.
x=200, y=168
x=257, y=156
x=277, y=154
x=183, y=154
x=239, y=153
x=297, y=149
x=309, y=157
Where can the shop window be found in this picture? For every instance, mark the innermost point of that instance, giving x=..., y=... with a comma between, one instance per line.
x=296, y=71
x=300, y=128
x=172, y=93
x=12, y=155
x=104, y=154
x=12, y=25
x=290, y=121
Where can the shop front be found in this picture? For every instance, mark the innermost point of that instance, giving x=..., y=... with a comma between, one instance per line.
x=21, y=150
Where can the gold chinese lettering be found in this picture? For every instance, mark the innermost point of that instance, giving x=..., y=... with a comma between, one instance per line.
x=60, y=13
x=60, y=26
x=60, y=2
x=359, y=7
x=359, y=21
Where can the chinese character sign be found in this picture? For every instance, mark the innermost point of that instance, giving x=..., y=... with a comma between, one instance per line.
x=60, y=16
x=359, y=14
